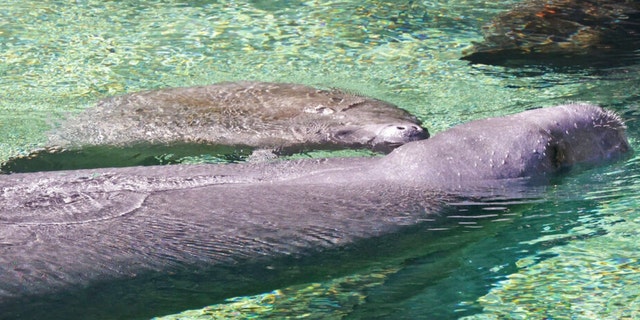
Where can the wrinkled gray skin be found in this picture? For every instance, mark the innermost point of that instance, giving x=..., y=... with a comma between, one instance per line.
x=252, y=114
x=115, y=240
x=220, y=119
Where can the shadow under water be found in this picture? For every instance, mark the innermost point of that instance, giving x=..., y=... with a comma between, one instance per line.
x=92, y=157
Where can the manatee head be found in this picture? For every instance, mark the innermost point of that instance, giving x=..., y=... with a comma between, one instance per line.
x=581, y=134
x=364, y=122
x=536, y=145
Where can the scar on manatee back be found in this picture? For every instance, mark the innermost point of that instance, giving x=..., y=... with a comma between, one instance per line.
x=231, y=119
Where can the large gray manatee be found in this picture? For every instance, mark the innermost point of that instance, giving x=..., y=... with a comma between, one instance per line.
x=142, y=241
x=224, y=118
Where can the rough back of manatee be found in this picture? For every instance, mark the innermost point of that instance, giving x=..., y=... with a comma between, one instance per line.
x=183, y=236
x=243, y=116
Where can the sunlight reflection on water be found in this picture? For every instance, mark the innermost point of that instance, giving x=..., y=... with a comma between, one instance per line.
x=57, y=58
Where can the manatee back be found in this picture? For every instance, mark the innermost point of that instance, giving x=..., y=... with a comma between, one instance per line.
x=225, y=120
x=255, y=114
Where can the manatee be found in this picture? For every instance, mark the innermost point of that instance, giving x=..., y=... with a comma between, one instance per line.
x=563, y=33
x=141, y=241
x=136, y=128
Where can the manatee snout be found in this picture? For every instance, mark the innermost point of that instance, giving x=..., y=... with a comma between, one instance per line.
x=397, y=134
x=381, y=137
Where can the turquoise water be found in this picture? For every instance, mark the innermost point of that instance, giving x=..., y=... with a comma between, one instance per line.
x=571, y=255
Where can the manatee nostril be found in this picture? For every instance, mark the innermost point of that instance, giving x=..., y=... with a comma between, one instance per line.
x=400, y=128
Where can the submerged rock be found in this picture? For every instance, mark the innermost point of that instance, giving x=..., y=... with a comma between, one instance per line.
x=564, y=32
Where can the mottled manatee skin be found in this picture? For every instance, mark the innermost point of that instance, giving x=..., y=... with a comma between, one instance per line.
x=81, y=239
x=281, y=116
x=225, y=120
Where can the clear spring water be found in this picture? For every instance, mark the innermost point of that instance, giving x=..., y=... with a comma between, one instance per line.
x=573, y=255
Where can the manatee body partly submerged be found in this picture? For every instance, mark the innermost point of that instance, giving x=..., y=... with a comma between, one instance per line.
x=562, y=32
x=234, y=116
x=142, y=241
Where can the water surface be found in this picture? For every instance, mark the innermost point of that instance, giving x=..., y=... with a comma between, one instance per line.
x=573, y=254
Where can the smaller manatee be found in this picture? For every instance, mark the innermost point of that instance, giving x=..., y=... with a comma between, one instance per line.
x=229, y=117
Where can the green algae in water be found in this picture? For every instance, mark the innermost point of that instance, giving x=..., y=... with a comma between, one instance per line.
x=63, y=58
x=335, y=299
x=585, y=278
